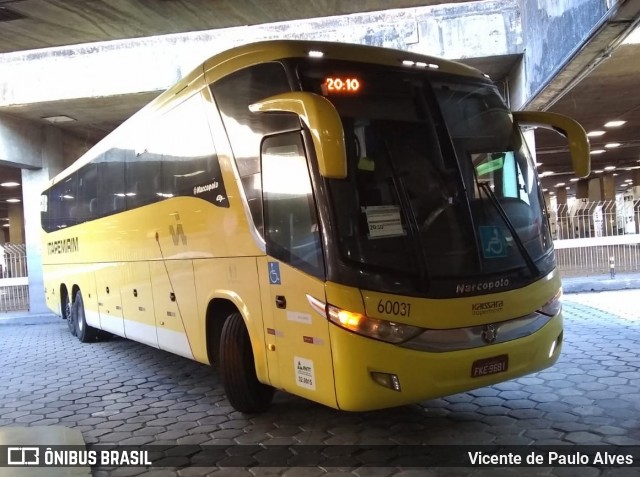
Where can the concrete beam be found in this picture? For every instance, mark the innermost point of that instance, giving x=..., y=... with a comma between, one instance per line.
x=20, y=142
x=463, y=30
x=565, y=41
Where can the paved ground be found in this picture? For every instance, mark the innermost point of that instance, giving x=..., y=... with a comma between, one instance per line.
x=121, y=392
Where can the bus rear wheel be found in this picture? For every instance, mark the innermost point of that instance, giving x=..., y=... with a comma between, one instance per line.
x=65, y=308
x=237, y=367
x=84, y=332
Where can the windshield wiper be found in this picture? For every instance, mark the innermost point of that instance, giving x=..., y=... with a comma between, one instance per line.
x=516, y=238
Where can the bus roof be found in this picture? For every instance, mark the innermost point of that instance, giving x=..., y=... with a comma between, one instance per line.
x=253, y=53
x=250, y=54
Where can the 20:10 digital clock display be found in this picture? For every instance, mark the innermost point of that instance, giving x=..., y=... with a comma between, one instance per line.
x=338, y=84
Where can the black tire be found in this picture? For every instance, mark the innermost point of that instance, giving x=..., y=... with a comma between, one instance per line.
x=84, y=332
x=67, y=314
x=237, y=368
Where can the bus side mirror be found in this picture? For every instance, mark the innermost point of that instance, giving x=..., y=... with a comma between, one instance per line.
x=567, y=127
x=323, y=122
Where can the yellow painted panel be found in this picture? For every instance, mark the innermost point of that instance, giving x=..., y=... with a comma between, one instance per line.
x=423, y=375
x=108, y=282
x=137, y=303
x=302, y=341
x=235, y=280
x=460, y=312
x=176, y=310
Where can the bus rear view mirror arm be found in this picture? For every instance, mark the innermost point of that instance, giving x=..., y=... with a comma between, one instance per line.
x=569, y=128
x=323, y=122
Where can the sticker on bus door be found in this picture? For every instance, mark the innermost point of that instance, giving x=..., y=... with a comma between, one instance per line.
x=274, y=273
x=305, y=375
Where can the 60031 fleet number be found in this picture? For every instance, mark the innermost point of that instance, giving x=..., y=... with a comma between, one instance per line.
x=391, y=307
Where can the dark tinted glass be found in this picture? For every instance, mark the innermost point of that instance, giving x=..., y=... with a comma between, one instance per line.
x=291, y=230
x=245, y=129
x=190, y=165
x=111, y=186
x=87, y=193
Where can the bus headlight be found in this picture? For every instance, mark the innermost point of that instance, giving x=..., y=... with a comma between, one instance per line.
x=553, y=306
x=373, y=328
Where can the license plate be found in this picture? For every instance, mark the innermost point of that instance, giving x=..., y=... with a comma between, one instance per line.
x=487, y=366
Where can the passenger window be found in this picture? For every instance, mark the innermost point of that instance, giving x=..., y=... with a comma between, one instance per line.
x=111, y=186
x=234, y=94
x=143, y=169
x=190, y=165
x=62, y=203
x=87, y=193
x=291, y=223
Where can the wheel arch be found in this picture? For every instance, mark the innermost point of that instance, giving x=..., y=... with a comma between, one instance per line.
x=74, y=290
x=63, y=293
x=218, y=310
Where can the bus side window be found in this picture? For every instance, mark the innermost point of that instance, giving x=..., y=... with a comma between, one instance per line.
x=189, y=159
x=291, y=223
x=87, y=193
x=143, y=171
x=233, y=95
x=62, y=203
x=111, y=186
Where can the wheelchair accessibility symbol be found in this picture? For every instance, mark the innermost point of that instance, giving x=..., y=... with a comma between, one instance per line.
x=493, y=242
x=274, y=273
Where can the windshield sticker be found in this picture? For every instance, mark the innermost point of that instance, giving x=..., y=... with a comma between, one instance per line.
x=494, y=244
x=366, y=164
x=305, y=375
x=383, y=221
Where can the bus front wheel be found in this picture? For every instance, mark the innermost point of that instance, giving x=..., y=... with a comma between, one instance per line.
x=237, y=367
x=84, y=332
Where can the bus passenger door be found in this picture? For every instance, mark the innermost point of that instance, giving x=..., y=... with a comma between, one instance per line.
x=108, y=282
x=292, y=274
x=137, y=304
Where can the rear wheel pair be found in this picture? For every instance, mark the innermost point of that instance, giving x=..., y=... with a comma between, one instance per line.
x=84, y=332
x=77, y=321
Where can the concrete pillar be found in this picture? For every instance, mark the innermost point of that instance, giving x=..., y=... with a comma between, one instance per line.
x=608, y=187
x=33, y=182
x=595, y=191
x=636, y=196
x=582, y=189
x=564, y=231
x=608, y=193
x=16, y=223
x=530, y=139
x=582, y=220
x=636, y=181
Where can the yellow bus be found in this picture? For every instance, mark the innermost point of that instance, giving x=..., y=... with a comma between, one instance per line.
x=359, y=226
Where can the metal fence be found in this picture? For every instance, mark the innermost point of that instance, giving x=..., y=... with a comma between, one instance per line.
x=590, y=237
x=14, y=284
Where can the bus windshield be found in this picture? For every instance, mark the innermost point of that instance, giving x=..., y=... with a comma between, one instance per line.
x=440, y=183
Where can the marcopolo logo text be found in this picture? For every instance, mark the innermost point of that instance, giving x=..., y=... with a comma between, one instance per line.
x=462, y=288
x=205, y=188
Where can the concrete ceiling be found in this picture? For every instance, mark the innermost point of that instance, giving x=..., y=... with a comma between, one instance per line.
x=46, y=23
x=609, y=91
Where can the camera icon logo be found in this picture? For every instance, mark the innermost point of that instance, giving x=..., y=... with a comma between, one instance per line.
x=23, y=456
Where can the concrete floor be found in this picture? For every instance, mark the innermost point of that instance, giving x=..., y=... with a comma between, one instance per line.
x=121, y=392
